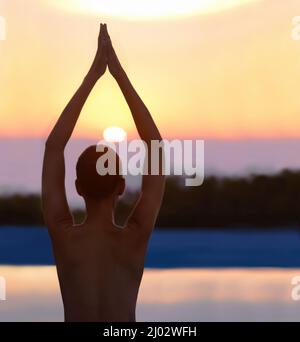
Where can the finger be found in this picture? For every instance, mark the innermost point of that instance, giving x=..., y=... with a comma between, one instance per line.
x=105, y=29
x=107, y=37
x=106, y=32
x=100, y=32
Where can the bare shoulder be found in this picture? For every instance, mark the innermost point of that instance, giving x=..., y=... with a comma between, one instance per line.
x=136, y=234
x=61, y=235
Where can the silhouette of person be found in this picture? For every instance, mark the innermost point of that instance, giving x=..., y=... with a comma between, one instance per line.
x=99, y=264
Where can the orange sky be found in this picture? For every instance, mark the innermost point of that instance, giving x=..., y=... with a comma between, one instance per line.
x=232, y=73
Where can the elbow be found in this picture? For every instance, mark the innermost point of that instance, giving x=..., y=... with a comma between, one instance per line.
x=51, y=144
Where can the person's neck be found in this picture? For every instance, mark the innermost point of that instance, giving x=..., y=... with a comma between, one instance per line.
x=100, y=211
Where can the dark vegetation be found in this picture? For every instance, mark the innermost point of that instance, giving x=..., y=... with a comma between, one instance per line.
x=257, y=201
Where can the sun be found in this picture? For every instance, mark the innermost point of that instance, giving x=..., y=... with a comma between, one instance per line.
x=148, y=9
x=114, y=134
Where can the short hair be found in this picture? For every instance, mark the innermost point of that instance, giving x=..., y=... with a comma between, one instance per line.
x=92, y=184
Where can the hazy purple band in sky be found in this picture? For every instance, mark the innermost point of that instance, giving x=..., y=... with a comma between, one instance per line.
x=21, y=161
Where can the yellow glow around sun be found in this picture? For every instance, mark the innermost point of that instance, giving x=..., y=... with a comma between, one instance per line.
x=147, y=9
x=114, y=134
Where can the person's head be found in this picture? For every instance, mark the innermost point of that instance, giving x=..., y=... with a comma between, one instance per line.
x=90, y=184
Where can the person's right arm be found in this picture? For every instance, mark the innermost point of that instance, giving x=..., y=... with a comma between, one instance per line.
x=144, y=214
x=55, y=207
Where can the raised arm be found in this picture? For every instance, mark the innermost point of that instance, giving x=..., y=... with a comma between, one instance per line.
x=144, y=214
x=55, y=207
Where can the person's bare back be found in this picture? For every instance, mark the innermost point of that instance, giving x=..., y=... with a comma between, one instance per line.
x=100, y=270
x=99, y=264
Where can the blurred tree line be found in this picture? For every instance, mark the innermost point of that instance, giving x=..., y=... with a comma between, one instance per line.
x=256, y=201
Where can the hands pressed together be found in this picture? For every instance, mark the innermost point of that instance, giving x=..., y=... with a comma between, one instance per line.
x=105, y=56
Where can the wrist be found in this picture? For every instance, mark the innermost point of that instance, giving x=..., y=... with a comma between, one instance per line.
x=120, y=75
x=91, y=77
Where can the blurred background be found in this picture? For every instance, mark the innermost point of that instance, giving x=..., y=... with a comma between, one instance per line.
x=223, y=71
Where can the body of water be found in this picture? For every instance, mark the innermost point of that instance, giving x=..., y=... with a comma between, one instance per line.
x=226, y=294
x=174, y=248
x=190, y=275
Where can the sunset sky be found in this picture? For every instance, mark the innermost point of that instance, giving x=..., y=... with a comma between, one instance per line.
x=210, y=69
